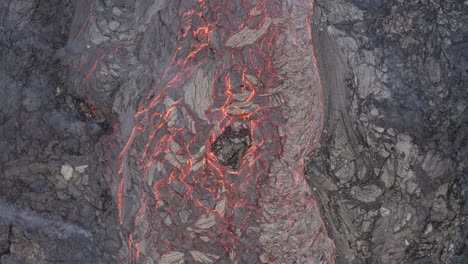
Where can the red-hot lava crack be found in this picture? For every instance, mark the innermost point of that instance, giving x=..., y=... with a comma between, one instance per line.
x=254, y=66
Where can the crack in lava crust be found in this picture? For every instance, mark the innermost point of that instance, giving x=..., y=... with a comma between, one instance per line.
x=256, y=64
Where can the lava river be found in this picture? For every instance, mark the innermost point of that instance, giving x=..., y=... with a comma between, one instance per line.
x=247, y=64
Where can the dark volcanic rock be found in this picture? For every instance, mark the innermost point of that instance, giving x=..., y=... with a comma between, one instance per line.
x=390, y=174
x=395, y=73
x=231, y=146
x=50, y=181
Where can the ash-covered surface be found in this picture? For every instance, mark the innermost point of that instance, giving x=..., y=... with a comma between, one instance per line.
x=231, y=146
x=391, y=172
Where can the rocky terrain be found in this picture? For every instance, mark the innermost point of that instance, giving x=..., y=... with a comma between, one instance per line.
x=79, y=81
x=54, y=208
x=391, y=173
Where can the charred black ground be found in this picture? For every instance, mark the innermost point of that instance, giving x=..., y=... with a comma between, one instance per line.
x=231, y=146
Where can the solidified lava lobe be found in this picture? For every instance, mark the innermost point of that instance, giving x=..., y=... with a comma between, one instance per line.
x=231, y=146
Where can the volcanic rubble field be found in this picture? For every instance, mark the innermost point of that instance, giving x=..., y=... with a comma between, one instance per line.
x=272, y=131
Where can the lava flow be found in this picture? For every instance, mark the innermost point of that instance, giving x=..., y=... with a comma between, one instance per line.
x=225, y=73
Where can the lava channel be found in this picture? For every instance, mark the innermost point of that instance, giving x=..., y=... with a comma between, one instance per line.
x=247, y=64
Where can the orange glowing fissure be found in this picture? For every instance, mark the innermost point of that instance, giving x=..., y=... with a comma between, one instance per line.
x=185, y=179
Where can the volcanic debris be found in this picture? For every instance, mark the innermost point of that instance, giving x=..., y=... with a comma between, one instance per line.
x=231, y=146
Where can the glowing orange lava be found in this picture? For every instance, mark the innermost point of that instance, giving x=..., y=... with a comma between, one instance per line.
x=187, y=200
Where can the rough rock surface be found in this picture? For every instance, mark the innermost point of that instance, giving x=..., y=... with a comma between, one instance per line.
x=177, y=199
x=391, y=171
x=231, y=146
x=109, y=109
x=51, y=209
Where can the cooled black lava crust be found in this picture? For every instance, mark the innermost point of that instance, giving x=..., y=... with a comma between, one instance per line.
x=231, y=146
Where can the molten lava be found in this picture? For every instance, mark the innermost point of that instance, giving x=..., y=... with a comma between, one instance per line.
x=208, y=154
